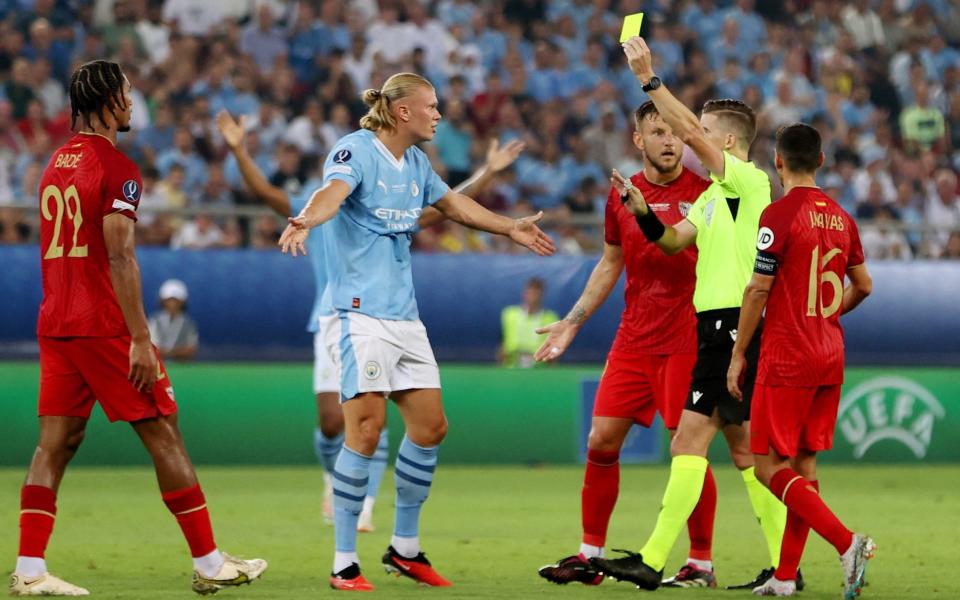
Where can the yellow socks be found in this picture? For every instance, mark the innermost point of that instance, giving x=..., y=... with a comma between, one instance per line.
x=679, y=500
x=770, y=512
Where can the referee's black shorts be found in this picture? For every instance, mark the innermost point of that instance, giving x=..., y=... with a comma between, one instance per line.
x=716, y=333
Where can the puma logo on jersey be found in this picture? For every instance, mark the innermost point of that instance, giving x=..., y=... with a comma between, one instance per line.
x=697, y=396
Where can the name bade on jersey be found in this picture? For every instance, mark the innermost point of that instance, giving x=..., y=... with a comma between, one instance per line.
x=68, y=161
x=825, y=221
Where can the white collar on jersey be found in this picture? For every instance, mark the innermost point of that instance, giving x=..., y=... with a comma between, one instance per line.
x=398, y=164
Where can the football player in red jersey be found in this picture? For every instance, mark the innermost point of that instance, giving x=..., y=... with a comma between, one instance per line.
x=805, y=247
x=94, y=342
x=649, y=366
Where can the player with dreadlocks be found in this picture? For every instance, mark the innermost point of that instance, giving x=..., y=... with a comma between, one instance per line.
x=94, y=343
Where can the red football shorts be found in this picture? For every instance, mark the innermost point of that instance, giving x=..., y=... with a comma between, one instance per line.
x=76, y=372
x=635, y=386
x=789, y=419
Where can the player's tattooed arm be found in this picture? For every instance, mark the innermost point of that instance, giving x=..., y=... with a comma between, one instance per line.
x=602, y=281
x=577, y=314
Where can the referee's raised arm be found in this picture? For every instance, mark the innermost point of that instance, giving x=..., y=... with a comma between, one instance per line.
x=681, y=119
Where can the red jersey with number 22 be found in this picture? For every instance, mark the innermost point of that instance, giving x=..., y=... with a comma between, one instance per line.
x=86, y=179
x=658, y=317
x=807, y=242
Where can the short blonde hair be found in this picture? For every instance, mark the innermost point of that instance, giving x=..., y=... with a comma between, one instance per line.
x=378, y=102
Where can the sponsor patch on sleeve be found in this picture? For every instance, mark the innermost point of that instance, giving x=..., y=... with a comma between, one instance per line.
x=342, y=169
x=766, y=263
x=341, y=156
x=764, y=238
x=121, y=205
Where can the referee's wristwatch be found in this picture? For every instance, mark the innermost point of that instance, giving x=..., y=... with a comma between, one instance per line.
x=653, y=84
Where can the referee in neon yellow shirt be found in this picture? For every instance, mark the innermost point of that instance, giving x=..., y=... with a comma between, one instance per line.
x=723, y=222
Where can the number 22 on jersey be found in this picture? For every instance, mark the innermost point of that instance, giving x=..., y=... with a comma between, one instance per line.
x=65, y=202
x=817, y=266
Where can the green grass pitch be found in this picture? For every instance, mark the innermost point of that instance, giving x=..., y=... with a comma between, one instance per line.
x=486, y=528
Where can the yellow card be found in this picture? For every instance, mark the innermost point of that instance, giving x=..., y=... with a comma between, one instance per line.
x=631, y=26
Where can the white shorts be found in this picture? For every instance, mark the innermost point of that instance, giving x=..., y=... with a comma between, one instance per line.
x=325, y=378
x=379, y=355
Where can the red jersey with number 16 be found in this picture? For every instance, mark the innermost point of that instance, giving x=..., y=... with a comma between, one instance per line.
x=86, y=179
x=658, y=317
x=807, y=242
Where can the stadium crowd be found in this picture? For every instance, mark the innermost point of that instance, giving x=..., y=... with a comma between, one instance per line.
x=879, y=79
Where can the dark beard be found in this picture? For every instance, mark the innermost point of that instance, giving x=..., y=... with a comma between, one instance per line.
x=123, y=128
x=659, y=166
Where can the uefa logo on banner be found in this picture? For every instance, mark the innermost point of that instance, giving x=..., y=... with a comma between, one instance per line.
x=889, y=408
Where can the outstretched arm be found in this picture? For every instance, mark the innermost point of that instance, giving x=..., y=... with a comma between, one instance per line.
x=681, y=119
x=322, y=207
x=671, y=239
x=524, y=232
x=602, y=281
x=754, y=300
x=233, y=133
x=498, y=159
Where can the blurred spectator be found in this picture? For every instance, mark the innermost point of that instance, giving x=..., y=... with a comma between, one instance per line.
x=14, y=228
x=172, y=330
x=874, y=172
x=606, y=142
x=578, y=167
x=48, y=90
x=882, y=240
x=952, y=249
x=262, y=40
x=18, y=89
x=290, y=174
x=153, y=32
x=863, y=24
x=184, y=154
x=216, y=191
x=942, y=211
x=921, y=125
x=454, y=142
x=266, y=233
x=519, y=324
x=44, y=44
x=780, y=110
x=308, y=132
x=170, y=192
x=198, y=234
x=194, y=17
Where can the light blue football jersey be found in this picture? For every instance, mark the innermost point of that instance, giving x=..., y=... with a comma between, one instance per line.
x=315, y=252
x=367, y=244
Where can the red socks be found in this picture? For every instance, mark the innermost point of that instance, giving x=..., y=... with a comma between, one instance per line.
x=802, y=498
x=700, y=523
x=601, y=484
x=190, y=508
x=38, y=509
x=794, y=540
